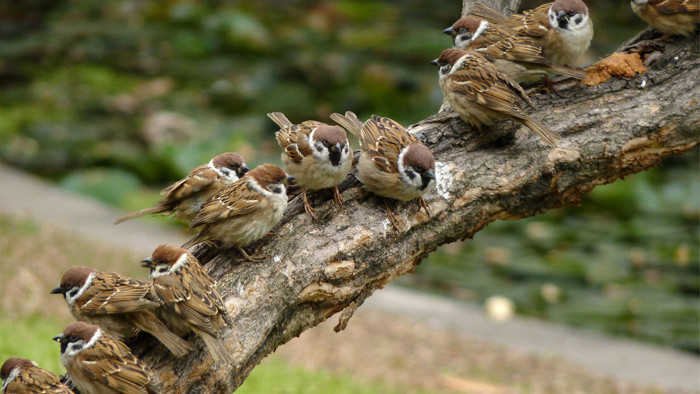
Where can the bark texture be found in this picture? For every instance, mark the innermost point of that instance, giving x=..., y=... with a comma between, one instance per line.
x=504, y=6
x=315, y=270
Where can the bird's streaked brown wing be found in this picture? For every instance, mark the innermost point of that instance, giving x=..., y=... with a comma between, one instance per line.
x=385, y=139
x=198, y=179
x=110, y=362
x=533, y=22
x=204, y=285
x=503, y=43
x=112, y=293
x=188, y=300
x=238, y=199
x=479, y=81
x=669, y=7
x=295, y=139
x=37, y=380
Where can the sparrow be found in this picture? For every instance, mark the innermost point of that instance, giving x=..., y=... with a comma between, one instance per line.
x=669, y=16
x=98, y=363
x=185, y=197
x=119, y=305
x=245, y=211
x=20, y=375
x=480, y=93
x=393, y=163
x=190, y=300
x=516, y=56
x=563, y=28
x=317, y=155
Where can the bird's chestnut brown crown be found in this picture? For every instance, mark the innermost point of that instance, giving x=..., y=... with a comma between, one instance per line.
x=576, y=6
x=419, y=156
x=230, y=161
x=76, y=276
x=79, y=330
x=331, y=135
x=12, y=363
x=267, y=174
x=167, y=254
x=449, y=56
x=467, y=22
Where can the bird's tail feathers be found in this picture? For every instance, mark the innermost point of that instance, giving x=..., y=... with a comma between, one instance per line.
x=542, y=131
x=217, y=348
x=279, y=119
x=349, y=121
x=145, y=211
x=152, y=325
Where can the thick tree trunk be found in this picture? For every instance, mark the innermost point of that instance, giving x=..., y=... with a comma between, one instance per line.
x=317, y=269
x=504, y=6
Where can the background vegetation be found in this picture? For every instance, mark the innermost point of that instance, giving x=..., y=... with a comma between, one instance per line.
x=117, y=99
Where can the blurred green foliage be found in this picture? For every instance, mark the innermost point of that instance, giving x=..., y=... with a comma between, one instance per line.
x=117, y=99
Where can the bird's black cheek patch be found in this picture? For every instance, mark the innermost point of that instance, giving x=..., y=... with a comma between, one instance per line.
x=426, y=181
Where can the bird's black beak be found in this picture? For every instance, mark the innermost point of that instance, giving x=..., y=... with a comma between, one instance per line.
x=435, y=63
x=147, y=262
x=290, y=179
x=58, y=338
x=242, y=170
x=430, y=174
x=336, y=147
x=59, y=290
x=449, y=31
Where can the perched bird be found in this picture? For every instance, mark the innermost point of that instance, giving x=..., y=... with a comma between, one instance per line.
x=480, y=93
x=669, y=16
x=515, y=55
x=563, y=28
x=98, y=363
x=119, y=305
x=185, y=197
x=317, y=155
x=20, y=376
x=190, y=300
x=245, y=211
x=393, y=163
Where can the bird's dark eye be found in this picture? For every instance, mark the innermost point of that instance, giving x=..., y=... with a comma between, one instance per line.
x=232, y=166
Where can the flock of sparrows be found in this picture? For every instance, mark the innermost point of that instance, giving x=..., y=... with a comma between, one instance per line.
x=234, y=206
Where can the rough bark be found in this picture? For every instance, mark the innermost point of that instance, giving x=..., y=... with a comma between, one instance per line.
x=317, y=269
x=504, y=6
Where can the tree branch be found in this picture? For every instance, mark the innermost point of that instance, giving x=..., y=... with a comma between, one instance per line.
x=504, y=6
x=317, y=269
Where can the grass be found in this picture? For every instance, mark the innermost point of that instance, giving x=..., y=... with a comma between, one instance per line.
x=30, y=337
x=277, y=376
